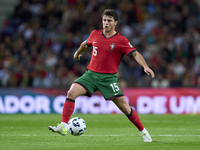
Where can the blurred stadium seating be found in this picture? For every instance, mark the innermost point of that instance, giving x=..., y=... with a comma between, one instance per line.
x=39, y=37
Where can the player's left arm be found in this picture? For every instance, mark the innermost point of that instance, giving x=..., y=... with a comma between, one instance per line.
x=139, y=58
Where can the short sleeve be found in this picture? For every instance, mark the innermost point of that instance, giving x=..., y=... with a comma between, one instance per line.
x=127, y=48
x=89, y=40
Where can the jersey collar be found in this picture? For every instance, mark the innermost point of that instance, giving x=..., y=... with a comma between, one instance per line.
x=110, y=36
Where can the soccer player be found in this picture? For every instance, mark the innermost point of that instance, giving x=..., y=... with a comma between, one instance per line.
x=108, y=48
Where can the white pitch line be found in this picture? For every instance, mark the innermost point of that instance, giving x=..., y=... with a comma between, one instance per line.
x=138, y=135
x=177, y=129
x=101, y=135
x=168, y=129
x=174, y=135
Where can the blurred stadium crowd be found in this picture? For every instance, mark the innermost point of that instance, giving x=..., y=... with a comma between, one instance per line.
x=38, y=40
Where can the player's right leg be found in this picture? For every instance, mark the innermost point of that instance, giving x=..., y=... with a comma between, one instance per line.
x=68, y=108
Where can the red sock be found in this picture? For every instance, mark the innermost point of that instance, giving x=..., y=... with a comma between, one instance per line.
x=68, y=109
x=134, y=118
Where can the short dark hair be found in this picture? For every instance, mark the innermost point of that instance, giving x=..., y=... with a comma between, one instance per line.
x=110, y=12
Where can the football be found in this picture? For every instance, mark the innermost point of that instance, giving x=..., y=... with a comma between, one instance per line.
x=76, y=126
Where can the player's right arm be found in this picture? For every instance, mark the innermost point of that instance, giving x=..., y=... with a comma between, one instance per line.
x=83, y=47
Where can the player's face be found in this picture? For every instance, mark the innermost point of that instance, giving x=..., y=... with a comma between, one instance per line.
x=109, y=23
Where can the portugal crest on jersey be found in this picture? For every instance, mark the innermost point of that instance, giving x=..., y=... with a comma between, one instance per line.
x=111, y=47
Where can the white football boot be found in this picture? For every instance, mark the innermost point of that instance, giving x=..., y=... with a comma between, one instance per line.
x=59, y=129
x=146, y=136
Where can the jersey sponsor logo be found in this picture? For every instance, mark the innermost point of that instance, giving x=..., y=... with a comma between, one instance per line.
x=130, y=44
x=95, y=42
x=112, y=46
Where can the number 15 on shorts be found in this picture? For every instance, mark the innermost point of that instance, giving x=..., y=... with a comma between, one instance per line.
x=115, y=88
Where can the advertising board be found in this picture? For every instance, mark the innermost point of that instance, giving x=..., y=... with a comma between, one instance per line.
x=144, y=101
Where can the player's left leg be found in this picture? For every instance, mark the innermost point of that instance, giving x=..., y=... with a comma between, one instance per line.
x=68, y=108
x=132, y=115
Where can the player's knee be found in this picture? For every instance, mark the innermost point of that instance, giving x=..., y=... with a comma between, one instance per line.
x=71, y=94
x=125, y=109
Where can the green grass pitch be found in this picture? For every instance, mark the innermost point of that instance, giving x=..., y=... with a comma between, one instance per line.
x=104, y=132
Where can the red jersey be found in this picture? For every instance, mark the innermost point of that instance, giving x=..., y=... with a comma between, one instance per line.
x=107, y=52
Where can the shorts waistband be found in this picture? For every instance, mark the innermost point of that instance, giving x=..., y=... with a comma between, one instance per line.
x=103, y=74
